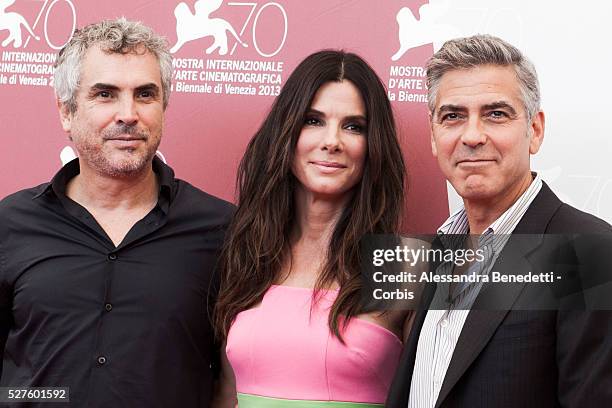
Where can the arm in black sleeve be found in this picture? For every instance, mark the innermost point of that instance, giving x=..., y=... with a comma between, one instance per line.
x=584, y=358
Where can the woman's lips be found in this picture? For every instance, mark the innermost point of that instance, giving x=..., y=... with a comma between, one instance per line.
x=328, y=167
x=329, y=164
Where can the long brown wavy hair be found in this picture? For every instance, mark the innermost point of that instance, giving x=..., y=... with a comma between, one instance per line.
x=257, y=241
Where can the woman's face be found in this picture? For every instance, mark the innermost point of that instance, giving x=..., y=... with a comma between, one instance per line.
x=331, y=149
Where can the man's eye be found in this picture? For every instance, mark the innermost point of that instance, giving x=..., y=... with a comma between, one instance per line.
x=498, y=114
x=104, y=94
x=147, y=94
x=450, y=116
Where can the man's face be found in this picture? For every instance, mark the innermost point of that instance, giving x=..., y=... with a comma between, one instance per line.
x=117, y=125
x=480, y=133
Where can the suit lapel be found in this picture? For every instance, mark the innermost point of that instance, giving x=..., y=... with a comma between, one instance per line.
x=489, y=310
x=481, y=324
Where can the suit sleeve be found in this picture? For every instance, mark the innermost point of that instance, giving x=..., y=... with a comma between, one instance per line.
x=584, y=357
x=584, y=337
x=5, y=305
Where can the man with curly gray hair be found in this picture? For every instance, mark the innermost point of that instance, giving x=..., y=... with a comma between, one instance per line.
x=107, y=271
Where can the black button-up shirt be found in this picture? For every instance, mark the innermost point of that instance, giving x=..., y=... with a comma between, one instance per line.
x=124, y=326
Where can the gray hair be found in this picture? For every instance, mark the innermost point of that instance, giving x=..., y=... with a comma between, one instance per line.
x=113, y=36
x=470, y=52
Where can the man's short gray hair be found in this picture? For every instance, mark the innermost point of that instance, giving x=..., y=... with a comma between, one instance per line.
x=113, y=36
x=470, y=52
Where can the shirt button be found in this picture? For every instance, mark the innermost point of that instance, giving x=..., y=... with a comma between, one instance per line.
x=444, y=323
x=108, y=307
x=112, y=257
x=101, y=360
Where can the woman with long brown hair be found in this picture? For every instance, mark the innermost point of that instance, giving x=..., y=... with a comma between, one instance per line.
x=324, y=170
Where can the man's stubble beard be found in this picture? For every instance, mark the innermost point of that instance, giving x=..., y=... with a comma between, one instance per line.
x=125, y=168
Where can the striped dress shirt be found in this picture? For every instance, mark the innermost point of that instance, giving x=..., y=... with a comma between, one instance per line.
x=441, y=328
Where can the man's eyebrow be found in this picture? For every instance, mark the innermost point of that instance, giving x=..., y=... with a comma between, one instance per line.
x=109, y=87
x=148, y=87
x=103, y=87
x=500, y=105
x=451, y=108
x=448, y=108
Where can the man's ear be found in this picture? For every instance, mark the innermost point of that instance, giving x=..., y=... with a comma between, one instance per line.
x=65, y=115
x=537, y=132
x=434, y=150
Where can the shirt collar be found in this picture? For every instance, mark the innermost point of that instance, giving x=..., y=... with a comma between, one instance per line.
x=167, y=183
x=165, y=177
x=457, y=223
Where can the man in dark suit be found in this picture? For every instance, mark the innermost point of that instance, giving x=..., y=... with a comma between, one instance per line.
x=486, y=122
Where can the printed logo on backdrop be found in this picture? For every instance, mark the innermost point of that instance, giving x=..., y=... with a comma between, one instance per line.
x=220, y=67
x=407, y=83
x=437, y=22
x=19, y=65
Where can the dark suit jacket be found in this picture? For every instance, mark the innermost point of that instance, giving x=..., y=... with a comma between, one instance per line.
x=525, y=358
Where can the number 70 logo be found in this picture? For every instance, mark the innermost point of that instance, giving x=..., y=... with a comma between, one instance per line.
x=258, y=14
x=47, y=8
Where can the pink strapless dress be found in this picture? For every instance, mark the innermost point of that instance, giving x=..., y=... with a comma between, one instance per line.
x=284, y=355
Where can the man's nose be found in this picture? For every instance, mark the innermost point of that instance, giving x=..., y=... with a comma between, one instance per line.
x=126, y=112
x=474, y=133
